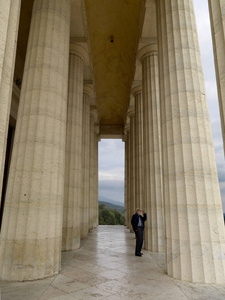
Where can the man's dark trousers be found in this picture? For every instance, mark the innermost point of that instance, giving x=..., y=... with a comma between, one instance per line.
x=139, y=240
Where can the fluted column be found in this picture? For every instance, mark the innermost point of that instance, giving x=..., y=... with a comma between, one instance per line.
x=73, y=161
x=96, y=181
x=132, y=206
x=127, y=158
x=86, y=162
x=93, y=119
x=31, y=236
x=91, y=181
x=217, y=18
x=195, y=240
x=125, y=179
x=96, y=140
x=139, y=199
x=9, y=21
x=154, y=231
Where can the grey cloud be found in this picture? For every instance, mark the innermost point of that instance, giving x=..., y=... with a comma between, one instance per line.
x=112, y=189
x=111, y=169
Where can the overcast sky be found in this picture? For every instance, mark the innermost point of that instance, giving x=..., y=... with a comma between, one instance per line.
x=111, y=152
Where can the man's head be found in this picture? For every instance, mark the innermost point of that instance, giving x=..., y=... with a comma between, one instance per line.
x=138, y=211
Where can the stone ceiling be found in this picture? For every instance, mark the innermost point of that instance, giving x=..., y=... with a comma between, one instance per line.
x=113, y=31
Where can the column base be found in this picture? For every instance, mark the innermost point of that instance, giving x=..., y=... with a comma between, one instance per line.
x=32, y=259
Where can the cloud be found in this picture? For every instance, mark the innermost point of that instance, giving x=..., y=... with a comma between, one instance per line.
x=112, y=189
x=111, y=169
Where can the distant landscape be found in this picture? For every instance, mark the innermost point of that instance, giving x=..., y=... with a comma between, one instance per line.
x=104, y=199
x=111, y=212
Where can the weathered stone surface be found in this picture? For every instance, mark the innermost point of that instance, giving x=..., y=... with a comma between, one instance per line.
x=195, y=236
x=154, y=233
x=128, y=177
x=132, y=206
x=73, y=161
x=30, y=247
x=9, y=22
x=139, y=171
x=92, y=202
x=85, y=166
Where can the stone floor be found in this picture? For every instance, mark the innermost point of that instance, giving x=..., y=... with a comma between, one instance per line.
x=105, y=268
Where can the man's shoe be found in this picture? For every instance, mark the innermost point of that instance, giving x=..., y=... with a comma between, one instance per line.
x=138, y=254
x=141, y=253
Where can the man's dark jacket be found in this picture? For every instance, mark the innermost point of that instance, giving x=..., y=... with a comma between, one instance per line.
x=135, y=219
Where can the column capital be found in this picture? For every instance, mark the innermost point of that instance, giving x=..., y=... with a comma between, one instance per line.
x=146, y=51
x=131, y=112
x=88, y=89
x=81, y=52
x=124, y=138
x=136, y=90
x=94, y=113
x=97, y=128
x=127, y=128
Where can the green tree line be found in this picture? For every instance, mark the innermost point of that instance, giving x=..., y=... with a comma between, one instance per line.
x=110, y=216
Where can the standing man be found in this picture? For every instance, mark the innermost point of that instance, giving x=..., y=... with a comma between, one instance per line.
x=138, y=224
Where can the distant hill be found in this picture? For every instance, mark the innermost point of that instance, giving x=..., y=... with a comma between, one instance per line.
x=113, y=206
x=104, y=199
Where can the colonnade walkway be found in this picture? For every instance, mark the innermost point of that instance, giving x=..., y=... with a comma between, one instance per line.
x=105, y=268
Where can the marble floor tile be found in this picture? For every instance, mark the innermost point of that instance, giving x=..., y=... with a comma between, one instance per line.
x=90, y=293
x=105, y=267
x=68, y=284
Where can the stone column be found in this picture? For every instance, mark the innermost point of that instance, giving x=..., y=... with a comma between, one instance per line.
x=93, y=118
x=139, y=199
x=154, y=231
x=96, y=181
x=217, y=18
x=96, y=140
x=31, y=236
x=127, y=158
x=9, y=21
x=88, y=91
x=193, y=211
x=132, y=206
x=73, y=162
x=125, y=179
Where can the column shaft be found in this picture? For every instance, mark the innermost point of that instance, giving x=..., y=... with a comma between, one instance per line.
x=132, y=166
x=85, y=166
x=139, y=150
x=9, y=21
x=92, y=181
x=96, y=181
x=154, y=232
x=31, y=236
x=217, y=18
x=195, y=240
x=73, y=161
x=125, y=181
x=129, y=215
